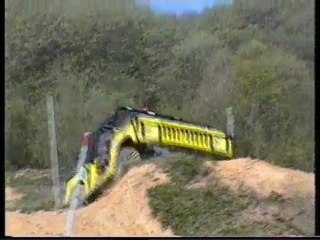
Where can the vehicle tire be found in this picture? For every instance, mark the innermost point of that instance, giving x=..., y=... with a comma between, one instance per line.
x=128, y=157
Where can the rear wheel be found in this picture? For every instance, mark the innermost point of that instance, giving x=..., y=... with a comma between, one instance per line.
x=129, y=156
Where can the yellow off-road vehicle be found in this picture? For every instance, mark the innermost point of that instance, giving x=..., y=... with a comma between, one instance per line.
x=132, y=132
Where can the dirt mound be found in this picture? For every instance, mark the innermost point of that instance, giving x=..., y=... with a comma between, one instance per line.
x=124, y=212
x=261, y=177
x=290, y=193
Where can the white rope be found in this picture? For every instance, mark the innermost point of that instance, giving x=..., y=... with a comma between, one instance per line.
x=74, y=203
x=74, y=206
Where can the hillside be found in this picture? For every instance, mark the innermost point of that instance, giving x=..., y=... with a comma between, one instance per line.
x=256, y=58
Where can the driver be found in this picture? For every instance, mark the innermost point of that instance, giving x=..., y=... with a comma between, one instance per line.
x=97, y=144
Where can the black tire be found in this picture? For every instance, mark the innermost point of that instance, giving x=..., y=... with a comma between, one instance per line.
x=128, y=157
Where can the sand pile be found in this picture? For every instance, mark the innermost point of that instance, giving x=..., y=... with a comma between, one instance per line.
x=261, y=177
x=123, y=212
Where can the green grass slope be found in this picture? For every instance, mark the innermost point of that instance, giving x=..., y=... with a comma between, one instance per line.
x=215, y=210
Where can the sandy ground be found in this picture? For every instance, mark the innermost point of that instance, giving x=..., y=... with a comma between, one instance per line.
x=261, y=177
x=12, y=195
x=295, y=188
x=125, y=210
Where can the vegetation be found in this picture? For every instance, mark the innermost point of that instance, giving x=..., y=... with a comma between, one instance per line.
x=257, y=58
x=215, y=210
x=36, y=191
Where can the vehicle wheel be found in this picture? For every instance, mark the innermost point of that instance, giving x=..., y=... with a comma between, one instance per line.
x=128, y=157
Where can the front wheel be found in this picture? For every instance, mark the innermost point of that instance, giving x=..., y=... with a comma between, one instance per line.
x=128, y=157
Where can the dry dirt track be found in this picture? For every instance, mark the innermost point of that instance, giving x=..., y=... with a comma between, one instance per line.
x=125, y=211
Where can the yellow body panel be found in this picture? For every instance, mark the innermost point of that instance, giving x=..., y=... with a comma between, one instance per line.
x=166, y=133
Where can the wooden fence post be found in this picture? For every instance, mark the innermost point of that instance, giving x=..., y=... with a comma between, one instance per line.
x=230, y=122
x=53, y=151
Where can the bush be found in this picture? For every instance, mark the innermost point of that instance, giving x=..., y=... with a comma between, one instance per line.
x=92, y=64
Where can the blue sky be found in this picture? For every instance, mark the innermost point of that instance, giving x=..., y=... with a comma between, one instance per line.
x=179, y=7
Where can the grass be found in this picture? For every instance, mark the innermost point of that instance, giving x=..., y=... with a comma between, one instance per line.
x=214, y=210
x=37, y=193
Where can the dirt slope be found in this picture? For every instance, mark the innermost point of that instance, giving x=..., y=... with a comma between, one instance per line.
x=125, y=211
x=261, y=177
x=291, y=192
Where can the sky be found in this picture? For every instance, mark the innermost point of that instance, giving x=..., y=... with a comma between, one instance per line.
x=179, y=7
